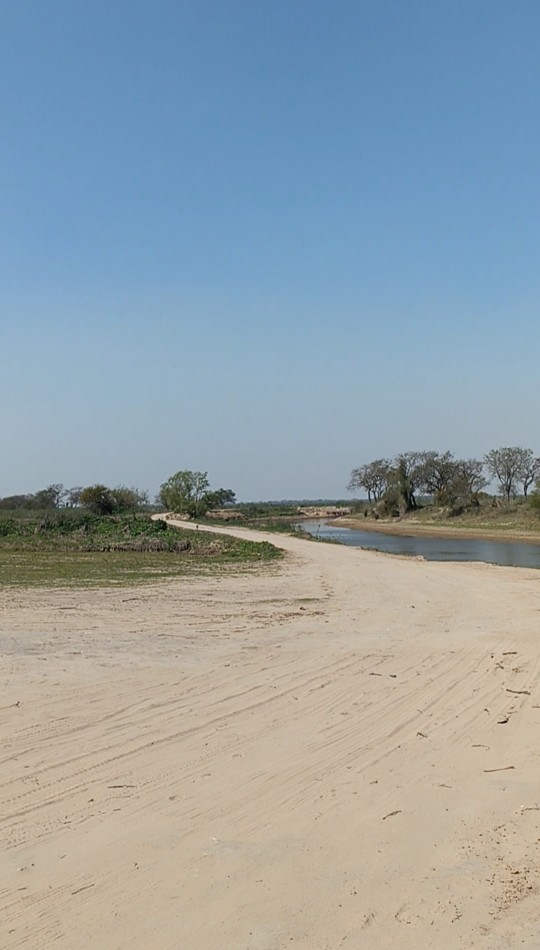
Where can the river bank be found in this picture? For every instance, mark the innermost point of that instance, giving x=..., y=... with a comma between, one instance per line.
x=411, y=528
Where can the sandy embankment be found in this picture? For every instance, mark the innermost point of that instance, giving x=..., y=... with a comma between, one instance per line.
x=410, y=528
x=339, y=752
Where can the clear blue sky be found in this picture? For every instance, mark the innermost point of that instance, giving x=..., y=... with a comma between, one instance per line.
x=268, y=240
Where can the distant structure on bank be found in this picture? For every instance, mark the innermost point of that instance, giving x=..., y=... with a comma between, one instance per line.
x=324, y=511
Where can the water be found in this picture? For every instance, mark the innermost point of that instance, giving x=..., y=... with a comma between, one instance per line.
x=507, y=553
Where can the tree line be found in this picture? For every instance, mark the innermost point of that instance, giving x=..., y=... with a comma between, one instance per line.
x=395, y=484
x=97, y=498
x=186, y=492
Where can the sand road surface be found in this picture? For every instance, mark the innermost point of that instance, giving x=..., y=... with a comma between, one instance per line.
x=340, y=751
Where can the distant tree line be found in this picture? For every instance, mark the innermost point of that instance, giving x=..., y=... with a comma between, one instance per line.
x=97, y=498
x=186, y=492
x=396, y=484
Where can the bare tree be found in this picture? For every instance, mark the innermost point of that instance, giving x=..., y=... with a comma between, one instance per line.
x=468, y=480
x=396, y=481
x=530, y=470
x=73, y=496
x=373, y=477
x=507, y=466
x=438, y=472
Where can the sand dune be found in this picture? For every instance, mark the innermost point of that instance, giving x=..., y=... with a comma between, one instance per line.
x=341, y=751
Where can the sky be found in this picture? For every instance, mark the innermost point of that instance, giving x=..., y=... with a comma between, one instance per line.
x=270, y=241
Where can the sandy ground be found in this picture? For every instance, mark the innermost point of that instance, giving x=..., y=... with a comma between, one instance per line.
x=340, y=752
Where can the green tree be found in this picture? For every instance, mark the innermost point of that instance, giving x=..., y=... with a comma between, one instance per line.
x=534, y=499
x=129, y=499
x=221, y=498
x=99, y=499
x=49, y=498
x=187, y=493
x=407, y=478
x=11, y=502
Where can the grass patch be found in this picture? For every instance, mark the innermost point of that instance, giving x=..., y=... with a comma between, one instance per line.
x=504, y=517
x=281, y=524
x=112, y=551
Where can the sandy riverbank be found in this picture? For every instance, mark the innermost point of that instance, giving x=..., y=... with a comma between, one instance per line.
x=410, y=528
x=338, y=752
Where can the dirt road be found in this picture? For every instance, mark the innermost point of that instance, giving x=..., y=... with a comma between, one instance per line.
x=338, y=751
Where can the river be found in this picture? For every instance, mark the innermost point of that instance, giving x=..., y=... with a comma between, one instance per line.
x=506, y=553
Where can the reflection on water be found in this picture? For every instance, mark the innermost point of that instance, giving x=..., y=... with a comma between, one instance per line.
x=507, y=553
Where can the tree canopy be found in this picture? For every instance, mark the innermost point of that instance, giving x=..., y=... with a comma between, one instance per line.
x=373, y=477
x=188, y=493
x=106, y=501
x=451, y=482
x=512, y=466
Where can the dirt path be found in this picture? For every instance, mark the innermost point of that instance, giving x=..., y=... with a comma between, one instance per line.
x=339, y=751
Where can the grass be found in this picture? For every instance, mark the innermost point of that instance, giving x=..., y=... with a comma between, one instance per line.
x=515, y=516
x=279, y=524
x=96, y=551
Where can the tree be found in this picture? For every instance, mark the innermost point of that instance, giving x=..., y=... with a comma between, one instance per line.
x=467, y=481
x=530, y=470
x=373, y=477
x=452, y=482
x=535, y=497
x=186, y=492
x=11, y=502
x=73, y=496
x=507, y=466
x=407, y=477
x=129, y=499
x=99, y=499
x=438, y=471
x=49, y=498
x=221, y=498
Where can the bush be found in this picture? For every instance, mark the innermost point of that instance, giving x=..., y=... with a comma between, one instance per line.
x=534, y=500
